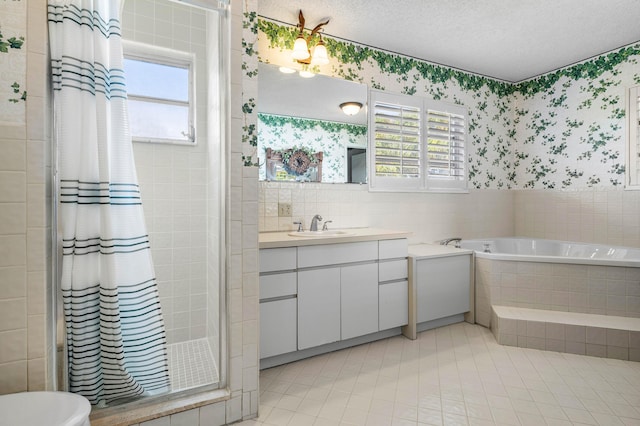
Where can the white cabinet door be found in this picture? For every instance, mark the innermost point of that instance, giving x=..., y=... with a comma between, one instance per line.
x=443, y=286
x=359, y=300
x=318, y=307
x=278, y=327
x=394, y=304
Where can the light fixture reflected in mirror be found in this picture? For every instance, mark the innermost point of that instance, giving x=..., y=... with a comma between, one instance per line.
x=286, y=70
x=306, y=74
x=351, y=108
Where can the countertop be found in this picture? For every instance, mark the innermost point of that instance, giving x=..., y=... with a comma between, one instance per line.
x=426, y=251
x=283, y=239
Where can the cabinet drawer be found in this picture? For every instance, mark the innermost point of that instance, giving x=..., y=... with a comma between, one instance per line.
x=335, y=254
x=278, y=259
x=278, y=327
x=394, y=305
x=393, y=270
x=391, y=249
x=278, y=285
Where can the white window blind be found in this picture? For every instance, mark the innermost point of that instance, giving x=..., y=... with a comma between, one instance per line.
x=446, y=143
x=396, y=154
x=633, y=145
x=417, y=144
x=397, y=136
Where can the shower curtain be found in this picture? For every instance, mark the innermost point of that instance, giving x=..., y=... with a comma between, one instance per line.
x=115, y=332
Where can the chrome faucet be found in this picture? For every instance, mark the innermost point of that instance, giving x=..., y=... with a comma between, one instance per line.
x=446, y=241
x=314, y=222
x=324, y=226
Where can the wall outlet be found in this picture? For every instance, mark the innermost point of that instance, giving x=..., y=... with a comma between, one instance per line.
x=284, y=209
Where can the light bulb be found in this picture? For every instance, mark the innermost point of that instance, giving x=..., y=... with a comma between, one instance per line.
x=300, y=48
x=306, y=74
x=320, y=56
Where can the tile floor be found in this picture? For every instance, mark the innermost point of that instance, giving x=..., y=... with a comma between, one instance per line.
x=454, y=375
x=191, y=364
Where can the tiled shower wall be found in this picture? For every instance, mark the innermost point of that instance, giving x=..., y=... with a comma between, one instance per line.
x=25, y=171
x=25, y=216
x=173, y=178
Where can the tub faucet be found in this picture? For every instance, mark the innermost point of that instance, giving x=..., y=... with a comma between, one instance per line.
x=446, y=241
x=314, y=222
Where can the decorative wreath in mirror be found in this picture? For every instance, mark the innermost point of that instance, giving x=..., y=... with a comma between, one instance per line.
x=298, y=160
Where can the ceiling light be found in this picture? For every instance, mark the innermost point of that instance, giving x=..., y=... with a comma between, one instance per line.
x=286, y=70
x=301, y=52
x=351, y=108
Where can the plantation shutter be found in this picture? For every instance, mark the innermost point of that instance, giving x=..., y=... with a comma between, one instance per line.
x=446, y=128
x=396, y=141
x=416, y=144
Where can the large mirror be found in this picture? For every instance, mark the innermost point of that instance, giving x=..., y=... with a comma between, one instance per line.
x=303, y=134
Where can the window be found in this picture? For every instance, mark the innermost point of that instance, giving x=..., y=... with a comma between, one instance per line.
x=160, y=87
x=417, y=144
x=633, y=146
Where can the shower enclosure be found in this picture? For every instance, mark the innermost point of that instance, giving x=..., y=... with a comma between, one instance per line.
x=182, y=185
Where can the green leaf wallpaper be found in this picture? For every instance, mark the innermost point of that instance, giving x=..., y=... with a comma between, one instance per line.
x=13, y=62
x=564, y=129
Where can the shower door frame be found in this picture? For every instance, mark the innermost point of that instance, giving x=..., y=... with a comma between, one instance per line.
x=57, y=362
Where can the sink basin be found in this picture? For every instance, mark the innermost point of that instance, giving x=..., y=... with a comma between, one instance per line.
x=329, y=233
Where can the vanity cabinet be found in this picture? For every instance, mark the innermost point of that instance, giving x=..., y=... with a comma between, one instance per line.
x=318, y=307
x=337, y=302
x=278, y=330
x=393, y=292
x=278, y=302
x=443, y=286
x=320, y=297
x=440, y=287
x=358, y=300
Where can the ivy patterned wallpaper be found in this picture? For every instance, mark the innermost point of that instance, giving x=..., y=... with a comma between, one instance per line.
x=13, y=62
x=565, y=129
x=570, y=125
x=330, y=138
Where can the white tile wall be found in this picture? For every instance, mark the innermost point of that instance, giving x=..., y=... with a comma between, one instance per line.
x=588, y=215
x=429, y=216
x=173, y=178
x=603, y=290
x=24, y=226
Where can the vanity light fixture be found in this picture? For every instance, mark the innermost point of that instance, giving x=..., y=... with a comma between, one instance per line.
x=286, y=70
x=301, y=52
x=351, y=108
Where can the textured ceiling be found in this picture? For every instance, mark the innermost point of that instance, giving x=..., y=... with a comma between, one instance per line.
x=512, y=40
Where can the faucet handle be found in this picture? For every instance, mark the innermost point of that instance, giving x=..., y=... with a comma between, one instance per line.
x=299, y=223
x=324, y=227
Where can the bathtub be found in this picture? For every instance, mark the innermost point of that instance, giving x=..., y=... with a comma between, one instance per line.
x=555, y=275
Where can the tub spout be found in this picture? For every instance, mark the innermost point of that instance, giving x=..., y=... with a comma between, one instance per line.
x=446, y=241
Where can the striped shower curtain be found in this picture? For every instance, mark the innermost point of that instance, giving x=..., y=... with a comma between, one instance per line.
x=114, y=328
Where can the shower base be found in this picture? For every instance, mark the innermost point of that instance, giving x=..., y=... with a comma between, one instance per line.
x=191, y=365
